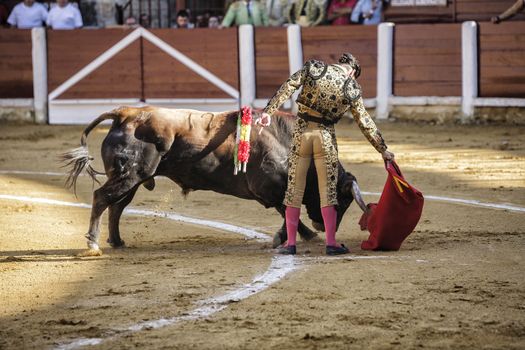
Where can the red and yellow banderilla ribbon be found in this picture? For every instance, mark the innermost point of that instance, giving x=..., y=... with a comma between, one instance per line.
x=242, y=140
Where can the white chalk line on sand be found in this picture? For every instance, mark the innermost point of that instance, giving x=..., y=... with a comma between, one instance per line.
x=474, y=202
x=24, y=172
x=249, y=234
x=510, y=207
x=280, y=266
x=278, y=269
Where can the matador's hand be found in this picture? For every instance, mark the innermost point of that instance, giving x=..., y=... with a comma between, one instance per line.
x=387, y=155
x=495, y=19
x=264, y=120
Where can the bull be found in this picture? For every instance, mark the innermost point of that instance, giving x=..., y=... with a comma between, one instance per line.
x=195, y=150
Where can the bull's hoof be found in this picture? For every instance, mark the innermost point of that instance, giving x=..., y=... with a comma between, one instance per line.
x=90, y=252
x=119, y=244
x=277, y=240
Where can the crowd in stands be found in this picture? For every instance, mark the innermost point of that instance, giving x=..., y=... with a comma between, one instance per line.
x=65, y=15
x=306, y=13
x=275, y=13
x=30, y=14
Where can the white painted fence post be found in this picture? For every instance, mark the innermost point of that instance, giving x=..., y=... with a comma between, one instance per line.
x=469, y=68
x=39, y=54
x=385, y=54
x=247, y=64
x=295, y=55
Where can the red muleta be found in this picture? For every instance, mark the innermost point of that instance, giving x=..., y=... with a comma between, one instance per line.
x=395, y=216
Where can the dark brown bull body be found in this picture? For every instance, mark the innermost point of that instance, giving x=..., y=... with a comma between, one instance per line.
x=195, y=150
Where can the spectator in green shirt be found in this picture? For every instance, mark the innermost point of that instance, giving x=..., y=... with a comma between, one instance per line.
x=246, y=12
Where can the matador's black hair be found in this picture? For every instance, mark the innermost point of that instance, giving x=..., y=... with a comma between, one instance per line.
x=348, y=58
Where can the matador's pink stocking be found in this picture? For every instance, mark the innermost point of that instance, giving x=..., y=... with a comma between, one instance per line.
x=330, y=222
x=292, y=221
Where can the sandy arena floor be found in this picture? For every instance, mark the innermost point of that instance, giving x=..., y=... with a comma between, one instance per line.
x=457, y=282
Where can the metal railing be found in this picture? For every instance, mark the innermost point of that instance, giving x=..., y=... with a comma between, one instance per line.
x=147, y=13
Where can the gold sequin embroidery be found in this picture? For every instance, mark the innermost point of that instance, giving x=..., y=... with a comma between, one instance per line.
x=300, y=127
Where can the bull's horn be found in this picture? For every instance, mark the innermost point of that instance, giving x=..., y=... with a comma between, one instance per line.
x=356, y=192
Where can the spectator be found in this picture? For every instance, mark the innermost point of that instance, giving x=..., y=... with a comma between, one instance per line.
x=205, y=19
x=227, y=4
x=307, y=13
x=144, y=20
x=28, y=14
x=339, y=12
x=275, y=10
x=64, y=16
x=246, y=12
x=367, y=12
x=131, y=22
x=213, y=22
x=182, y=20
x=200, y=22
x=511, y=11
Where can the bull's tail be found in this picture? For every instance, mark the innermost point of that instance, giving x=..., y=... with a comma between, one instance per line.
x=79, y=159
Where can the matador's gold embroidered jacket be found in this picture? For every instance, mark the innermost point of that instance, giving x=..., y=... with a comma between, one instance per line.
x=329, y=92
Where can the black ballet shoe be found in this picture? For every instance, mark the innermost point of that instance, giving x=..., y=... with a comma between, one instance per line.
x=288, y=250
x=334, y=250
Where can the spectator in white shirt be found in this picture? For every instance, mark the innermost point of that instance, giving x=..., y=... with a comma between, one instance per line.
x=27, y=14
x=64, y=16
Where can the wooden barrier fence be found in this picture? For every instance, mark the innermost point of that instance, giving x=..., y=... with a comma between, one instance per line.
x=502, y=59
x=70, y=51
x=141, y=70
x=215, y=50
x=271, y=60
x=328, y=43
x=428, y=60
x=16, y=69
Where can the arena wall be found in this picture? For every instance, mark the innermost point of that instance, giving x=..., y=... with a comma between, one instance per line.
x=166, y=78
x=427, y=60
x=16, y=78
x=70, y=51
x=271, y=60
x=327, y=44
x=429, y=66
x=502, y=59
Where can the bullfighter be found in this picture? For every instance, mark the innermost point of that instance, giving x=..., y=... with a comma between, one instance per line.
x=329, y=91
